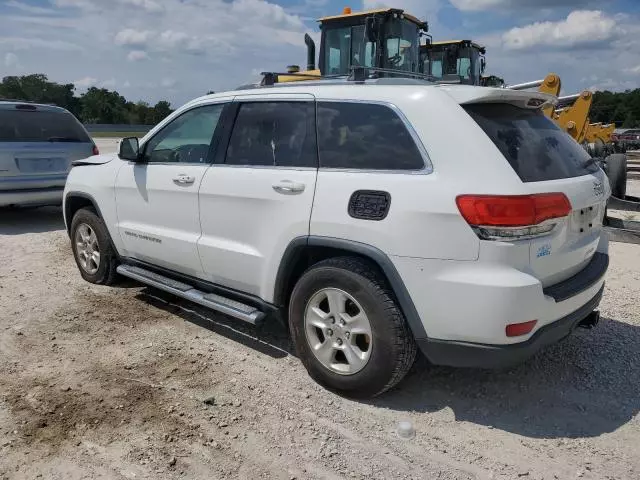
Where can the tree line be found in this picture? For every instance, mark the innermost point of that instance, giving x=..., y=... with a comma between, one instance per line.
x=101, y=105
x=96, y=105
x=621, y=108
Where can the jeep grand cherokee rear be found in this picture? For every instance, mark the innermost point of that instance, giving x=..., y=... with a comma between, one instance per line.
x=543, y=253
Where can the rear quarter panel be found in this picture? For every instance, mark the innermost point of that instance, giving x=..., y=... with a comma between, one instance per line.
x=423, y=219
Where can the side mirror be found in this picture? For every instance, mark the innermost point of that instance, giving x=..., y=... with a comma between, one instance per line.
x=129, y=149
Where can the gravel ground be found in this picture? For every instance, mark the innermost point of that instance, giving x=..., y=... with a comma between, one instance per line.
x=126, y=382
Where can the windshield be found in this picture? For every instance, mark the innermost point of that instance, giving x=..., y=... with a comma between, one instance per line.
x=348, y=46
x=453, y=60
x=401, y=52
x=40, y=126
x=345, y=47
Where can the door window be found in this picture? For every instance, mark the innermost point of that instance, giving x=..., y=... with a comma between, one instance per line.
x=187, y=138
x=275, y=134
x=365, y=136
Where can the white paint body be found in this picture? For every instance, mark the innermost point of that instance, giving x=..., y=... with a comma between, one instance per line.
x=231, y=227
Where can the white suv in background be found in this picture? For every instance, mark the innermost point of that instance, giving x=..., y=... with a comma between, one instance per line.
x=376, y=217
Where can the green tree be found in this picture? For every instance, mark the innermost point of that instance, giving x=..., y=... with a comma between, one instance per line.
x=97, y=105
x=100, y=105
x=161, y=110
x=38, y=88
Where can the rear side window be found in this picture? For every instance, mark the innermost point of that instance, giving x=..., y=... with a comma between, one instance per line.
x=279, y=134
x=365, y=136
x=40, y=126
x=535, y=147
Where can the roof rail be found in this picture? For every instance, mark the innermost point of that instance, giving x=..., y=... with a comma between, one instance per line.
x=17, y=100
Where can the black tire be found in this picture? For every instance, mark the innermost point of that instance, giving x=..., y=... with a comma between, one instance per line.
x=617, y=174
x=393, y=349
x=106, y=272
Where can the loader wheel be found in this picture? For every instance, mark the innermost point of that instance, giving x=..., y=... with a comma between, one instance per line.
x=617, y=174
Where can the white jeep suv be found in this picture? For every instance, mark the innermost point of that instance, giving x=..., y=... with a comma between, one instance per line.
x=378, y=217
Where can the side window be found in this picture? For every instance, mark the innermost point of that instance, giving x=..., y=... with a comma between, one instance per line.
x=187, y=138
x=279, y=134
x=365, y=136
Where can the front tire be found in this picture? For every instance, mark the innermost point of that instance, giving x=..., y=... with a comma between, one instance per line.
x=348, y=331
x=92, y=248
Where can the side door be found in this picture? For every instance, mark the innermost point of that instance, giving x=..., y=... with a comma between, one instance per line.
x=258, y=194
x=157, y=197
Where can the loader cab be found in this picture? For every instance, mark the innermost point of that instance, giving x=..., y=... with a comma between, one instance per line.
x=384, y=38
x=457, y=61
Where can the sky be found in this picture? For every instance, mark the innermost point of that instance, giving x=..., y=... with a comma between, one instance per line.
x=180, y=49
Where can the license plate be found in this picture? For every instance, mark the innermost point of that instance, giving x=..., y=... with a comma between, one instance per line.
x=587, y=218
x=41, y=165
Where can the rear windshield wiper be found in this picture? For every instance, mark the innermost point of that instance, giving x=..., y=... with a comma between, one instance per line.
x=64, y=139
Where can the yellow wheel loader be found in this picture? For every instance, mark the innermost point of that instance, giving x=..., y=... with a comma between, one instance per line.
x=386, y=41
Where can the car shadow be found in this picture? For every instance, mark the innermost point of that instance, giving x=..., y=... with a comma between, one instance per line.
x=270, y=339
x=585, y=386
x=16, y=221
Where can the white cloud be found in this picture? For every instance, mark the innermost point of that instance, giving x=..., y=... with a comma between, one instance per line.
x=111, y=83
x=272, y=14
x=126, y=84
x=28, y=8
x=86, y=82
x=137, y=55
x=24, y=43
x=581, y=27
x=633, y=70
x=148, y=5
x=11, y=60
x=83, y=4
x=471, y=5
x=613, y=85
x=479, y=5
x=423, y=9
x=131, y=37
x=168, y=83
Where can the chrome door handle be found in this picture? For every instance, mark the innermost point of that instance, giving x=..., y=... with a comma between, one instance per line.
x=184, y=179
x=287, y=187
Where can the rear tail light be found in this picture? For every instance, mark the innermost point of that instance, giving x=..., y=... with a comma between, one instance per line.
x=95, y=150
x=519, y=329
x=502, y=217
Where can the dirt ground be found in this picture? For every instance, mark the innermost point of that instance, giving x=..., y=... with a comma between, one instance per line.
x=99, y=382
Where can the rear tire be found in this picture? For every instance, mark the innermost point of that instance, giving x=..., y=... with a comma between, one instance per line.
x=386, y=350
x=92, y=248
x=617, y=174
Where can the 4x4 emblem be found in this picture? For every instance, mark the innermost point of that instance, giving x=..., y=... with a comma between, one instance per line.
x=598, y=188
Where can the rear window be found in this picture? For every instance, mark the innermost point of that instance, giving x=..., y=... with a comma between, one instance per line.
x=365, y=136
x=536, y=148
x=40, y=126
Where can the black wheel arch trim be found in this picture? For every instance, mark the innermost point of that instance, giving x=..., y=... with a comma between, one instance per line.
x=86, y=196
x=297, y=247
x=94, y=203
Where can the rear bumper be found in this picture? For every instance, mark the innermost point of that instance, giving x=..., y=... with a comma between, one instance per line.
x=39, y=196
x=478, y=355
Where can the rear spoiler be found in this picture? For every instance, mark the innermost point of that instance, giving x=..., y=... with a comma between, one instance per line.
x=469, y=94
